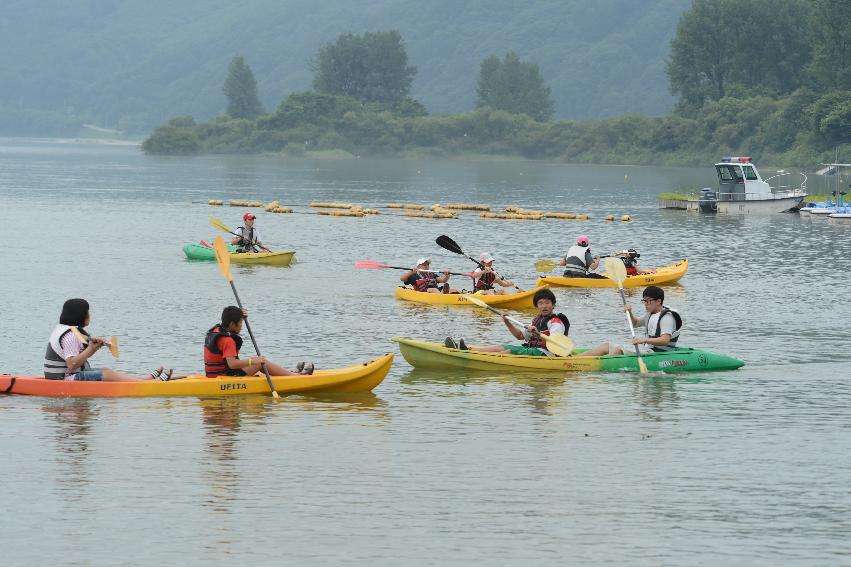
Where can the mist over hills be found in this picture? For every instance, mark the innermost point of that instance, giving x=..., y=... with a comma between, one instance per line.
x=132, y=64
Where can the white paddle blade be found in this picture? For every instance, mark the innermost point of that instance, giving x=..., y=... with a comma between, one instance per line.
x=615, y=270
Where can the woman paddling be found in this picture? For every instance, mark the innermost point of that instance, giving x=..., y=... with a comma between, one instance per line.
x=70, y=346
x=486, y=278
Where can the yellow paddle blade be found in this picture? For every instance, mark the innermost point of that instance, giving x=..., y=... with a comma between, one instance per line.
x=222, y=257
x=219, y=224
x=642, y=368
x=615, y=270
x=560, y=345
x=113, y=346
x=545, y=265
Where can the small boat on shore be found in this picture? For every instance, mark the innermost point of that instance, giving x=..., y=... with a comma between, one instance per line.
x=360, y=378
x=660, y=276
x=201, y=252
x=421, y=354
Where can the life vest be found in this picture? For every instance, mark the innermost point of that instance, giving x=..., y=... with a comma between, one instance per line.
x=214, y=363
x=575, y=259
x=55, y=367
x=247, y=243
x=631, y=265
x=656, y=331
x=485, y=281
x=426, y=282
x=542, y=324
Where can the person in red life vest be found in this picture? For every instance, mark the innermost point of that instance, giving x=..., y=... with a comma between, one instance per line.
x=221, y=351
x=486, y=278
x=421, y=278
x=630, y=260
x=70, y=346
x=547, y=322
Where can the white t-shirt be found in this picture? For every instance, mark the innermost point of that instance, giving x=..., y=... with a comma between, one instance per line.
x=649, y=323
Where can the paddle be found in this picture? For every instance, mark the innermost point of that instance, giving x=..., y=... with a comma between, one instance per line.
x=113, y=341
x=225, y=228
x=547, y=265
x=560, y=345
x=223, y=259
x=448, y=244
x=373, y=265
x=616, y=271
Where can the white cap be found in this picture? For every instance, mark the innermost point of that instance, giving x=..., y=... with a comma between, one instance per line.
x=485, y=257
x=423, y=260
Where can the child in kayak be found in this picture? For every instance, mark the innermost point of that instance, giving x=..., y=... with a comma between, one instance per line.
x=221, y=350
x=486, y=278
x=630, y=260
x=421, y=278
x=70, y=346
x=547, y=322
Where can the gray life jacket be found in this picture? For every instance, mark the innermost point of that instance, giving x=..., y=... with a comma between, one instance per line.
x=249, y=240
x=55, y=367
x=656, y=331
x=575, y=259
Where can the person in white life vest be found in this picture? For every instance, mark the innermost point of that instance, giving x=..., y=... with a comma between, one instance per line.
x=70, y=346
x=579, y=262
x=247, y=238
x=661, y=324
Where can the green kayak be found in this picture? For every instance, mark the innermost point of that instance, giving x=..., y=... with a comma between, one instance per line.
x=201, y=252
x=422, y=354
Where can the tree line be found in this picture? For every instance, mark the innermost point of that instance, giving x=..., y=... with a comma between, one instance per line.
x=768, y=77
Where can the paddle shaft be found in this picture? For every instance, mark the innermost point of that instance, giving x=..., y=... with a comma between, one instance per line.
x=258, y=245
x=415, y=270
x=254, y=342
x=629, y=321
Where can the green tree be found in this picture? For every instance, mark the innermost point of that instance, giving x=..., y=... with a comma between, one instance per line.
x=372, y=67
x=177, y=137
x=514, y=86
x=831, y=64
x=241, y=89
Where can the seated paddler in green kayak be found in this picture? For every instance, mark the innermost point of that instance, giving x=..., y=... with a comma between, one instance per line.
x=70, y=347
x=422, y=278
x=547, y=322
x=661, y=324
x=487, y=279
x=221, y=351
x=247, y=238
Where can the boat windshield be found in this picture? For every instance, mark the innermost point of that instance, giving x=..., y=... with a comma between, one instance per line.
x=750, y=174
x=729, y=173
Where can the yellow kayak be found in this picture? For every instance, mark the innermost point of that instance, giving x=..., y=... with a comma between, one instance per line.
x=199, y=252
x=660, y=276
x=519, y=300
x=361, y=378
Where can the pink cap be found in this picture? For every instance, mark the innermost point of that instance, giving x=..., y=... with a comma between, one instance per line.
x=583, y=240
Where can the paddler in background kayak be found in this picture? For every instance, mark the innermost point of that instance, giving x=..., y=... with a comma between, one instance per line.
x=486, y=278
x=547, y=322
x=247, y=238
x=221, y=350
x=70, y=346
x=421, y=278
x=578, y=262
x=630, y=260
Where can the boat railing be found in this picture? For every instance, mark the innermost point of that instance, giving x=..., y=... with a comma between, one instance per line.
x=767, y=196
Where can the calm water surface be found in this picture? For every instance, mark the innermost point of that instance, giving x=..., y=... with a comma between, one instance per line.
x=737, y=468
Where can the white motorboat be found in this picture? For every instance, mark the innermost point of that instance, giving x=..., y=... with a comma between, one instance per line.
x=742, y=191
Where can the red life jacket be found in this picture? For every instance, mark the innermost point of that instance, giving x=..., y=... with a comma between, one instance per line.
x=214, y=363
x=424, y=284
x=540, y=322
x=485, y=281
x=631, y=265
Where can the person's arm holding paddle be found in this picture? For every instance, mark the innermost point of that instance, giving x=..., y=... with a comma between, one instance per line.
x=518, y=333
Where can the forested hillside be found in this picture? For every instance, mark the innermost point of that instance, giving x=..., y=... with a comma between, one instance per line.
x=133, y=64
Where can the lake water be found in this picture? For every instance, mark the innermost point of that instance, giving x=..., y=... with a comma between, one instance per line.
x=751, y=467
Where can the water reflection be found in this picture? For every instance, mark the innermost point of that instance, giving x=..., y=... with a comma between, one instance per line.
x=74, y=419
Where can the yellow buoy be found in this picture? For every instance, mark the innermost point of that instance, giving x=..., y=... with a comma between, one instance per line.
x=215, y=202
x=626, y=218
x=610, y=217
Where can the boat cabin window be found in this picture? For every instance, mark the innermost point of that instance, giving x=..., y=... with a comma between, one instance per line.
x=731, y=172
x=750, y=174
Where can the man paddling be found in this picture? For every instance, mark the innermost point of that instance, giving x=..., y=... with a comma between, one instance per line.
x=247, y=238
x=486, y=278
x=421, y=278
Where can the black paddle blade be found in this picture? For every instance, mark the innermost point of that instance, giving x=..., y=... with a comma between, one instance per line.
x=445, y=242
